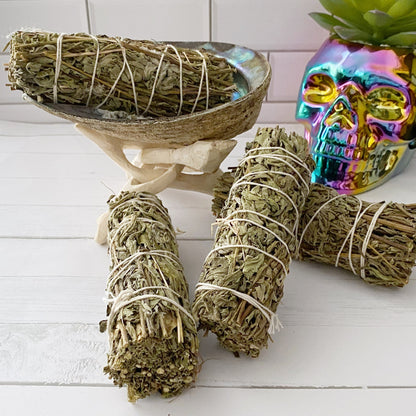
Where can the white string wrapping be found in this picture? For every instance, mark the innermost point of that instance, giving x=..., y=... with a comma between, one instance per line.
x=262, y=185
x=162, y=57
x=124, y=265
x=111, y=298
x=272, y=172
x=293, y=156
x=272, y=318
x=143, y=201
x=312, y=219
x=57, y=66
x=128, y=222
x=368, y=235
x=215, y=249
x=248, y=211
x=121, y=269
x=128, y=296
x=113, y=87
x=127, y=65
x=94, y=72
x=180, y=79
x=133, y=84
x=143, y=219
x=204, y=72
x=351, y=233
x=256, y=224
x=281, y=158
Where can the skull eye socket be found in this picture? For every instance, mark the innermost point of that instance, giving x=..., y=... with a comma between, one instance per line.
x=319, y=89
x=386, y=104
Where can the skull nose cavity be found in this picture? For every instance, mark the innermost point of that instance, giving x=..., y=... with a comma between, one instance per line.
x=339, y=107
x=340, y=117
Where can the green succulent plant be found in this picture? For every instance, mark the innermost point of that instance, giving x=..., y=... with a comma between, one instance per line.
x=376, y=22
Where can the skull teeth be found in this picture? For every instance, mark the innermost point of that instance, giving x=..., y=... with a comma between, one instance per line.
x=344, y=175
x=352, y=148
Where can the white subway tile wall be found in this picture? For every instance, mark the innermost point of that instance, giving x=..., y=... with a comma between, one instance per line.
x=63, y=16
x=283, y=31
x=288, y=68
x=178, y=20
x=267, y=24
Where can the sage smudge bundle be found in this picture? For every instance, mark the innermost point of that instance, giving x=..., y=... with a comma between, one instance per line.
x=152, y=334
x=144, y=78
x=375, y=241
x=242, y=280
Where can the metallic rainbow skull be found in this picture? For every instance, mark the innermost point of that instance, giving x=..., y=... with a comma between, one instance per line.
x=357, y=103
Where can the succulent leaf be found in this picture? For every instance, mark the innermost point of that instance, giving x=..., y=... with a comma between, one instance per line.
x=326, y=20
x=405, y=39
x=359, y=5
x=365, y=5
x=401, y=8
x=383, y=5
x=406, y=24
x=353, y=34
x=378, y=22
x=342, y=10
x=378, y=19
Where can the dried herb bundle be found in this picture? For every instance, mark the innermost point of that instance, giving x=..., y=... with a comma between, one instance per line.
x=376, y=241
x=242, y=279
x=136, y=77
x=152, y=334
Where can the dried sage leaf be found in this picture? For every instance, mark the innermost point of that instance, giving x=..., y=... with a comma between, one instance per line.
x=152, y=334
x=118, y=74
x=376, y=241
x=242, y=279
x=334, y=228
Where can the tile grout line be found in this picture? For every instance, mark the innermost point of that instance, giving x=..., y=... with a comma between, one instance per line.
x=87, y=10
x=210, y=19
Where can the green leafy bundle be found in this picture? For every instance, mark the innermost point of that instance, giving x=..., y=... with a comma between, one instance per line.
x=333, y=230
x=152, y=335
x=135, y=77
x=376, y=22
x=242, y=280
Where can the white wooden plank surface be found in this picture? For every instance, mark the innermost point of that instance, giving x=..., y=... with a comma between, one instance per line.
x=23, y=112
x=65, y=179
x=26, y=130
x=301, y=356
x=52, y=301
x=58, y=283
x=105, y=401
